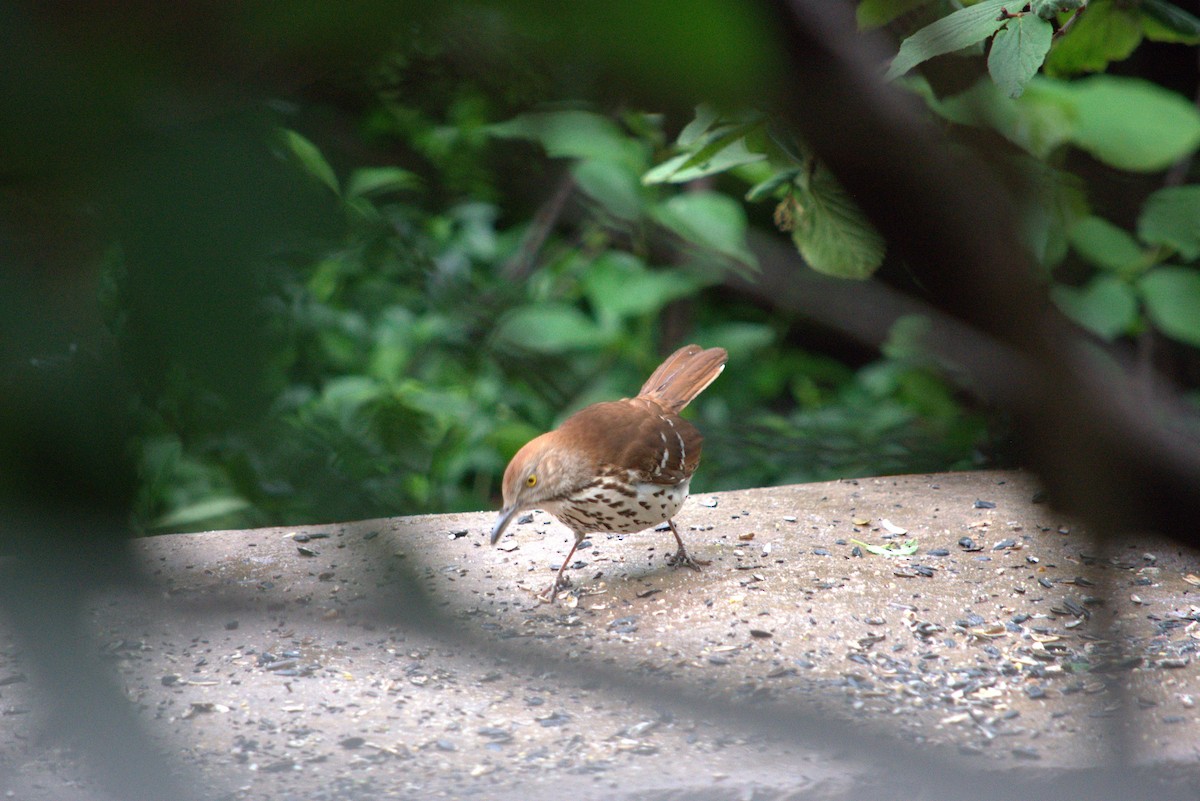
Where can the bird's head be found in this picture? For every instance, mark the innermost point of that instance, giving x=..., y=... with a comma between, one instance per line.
x=539, y=473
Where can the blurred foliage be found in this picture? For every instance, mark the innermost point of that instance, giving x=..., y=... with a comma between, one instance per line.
x=353, y=274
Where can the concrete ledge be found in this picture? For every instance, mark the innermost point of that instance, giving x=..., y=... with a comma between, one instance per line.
x=405, y=658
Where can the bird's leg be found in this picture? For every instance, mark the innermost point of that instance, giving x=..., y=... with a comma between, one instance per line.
x=560, y=581
x=681, y=556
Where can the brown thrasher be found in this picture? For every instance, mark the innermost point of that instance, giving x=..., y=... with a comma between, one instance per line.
x=620, y=466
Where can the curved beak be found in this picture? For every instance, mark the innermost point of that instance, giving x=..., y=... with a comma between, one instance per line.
x=506, y=516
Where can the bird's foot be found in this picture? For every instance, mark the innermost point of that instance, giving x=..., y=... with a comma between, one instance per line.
x=548, y=595
x=682, y=558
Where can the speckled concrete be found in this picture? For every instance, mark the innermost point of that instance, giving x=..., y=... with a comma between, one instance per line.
x=273, y=667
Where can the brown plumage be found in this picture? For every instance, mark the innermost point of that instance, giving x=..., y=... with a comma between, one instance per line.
x=619, y=466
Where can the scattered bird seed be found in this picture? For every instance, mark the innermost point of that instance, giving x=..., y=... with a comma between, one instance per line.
x=984, y=504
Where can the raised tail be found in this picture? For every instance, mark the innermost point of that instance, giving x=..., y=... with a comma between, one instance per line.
x=683, y=376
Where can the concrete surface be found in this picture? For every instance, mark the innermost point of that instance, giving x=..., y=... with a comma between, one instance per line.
x=303, y=663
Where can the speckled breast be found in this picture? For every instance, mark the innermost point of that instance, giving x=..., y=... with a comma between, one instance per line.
x=607, y=504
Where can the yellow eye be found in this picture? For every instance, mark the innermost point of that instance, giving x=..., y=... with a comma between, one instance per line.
x=531, y=481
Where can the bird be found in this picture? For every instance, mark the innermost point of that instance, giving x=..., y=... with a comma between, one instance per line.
x=617, y=466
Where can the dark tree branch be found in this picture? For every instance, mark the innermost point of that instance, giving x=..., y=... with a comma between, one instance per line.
x=1100, y=449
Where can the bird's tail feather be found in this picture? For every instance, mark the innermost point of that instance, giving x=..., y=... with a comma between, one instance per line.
x=683, y=376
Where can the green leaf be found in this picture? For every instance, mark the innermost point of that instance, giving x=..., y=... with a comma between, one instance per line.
x=1055, y=202
x=612, y=185
x=309, y=156
x=715, y=152
x=690, y=166
x=768, y=187
x=380, y=180
x=691, y=133
x=1018, y=50
x=877, y=13
x=1171, y=217
x=208, y=510
x=1038, y=121
x=740, y=337
x=711, y=220
x=1172, y=297
x=550, y=328
x=1167, y=22
x=1107, y=306
x=619, y=286
x=569, y=134
x=1107, y=32
x=1129, y=123
x=963, y=28
x=891, y=549
x=1105, y=245
x=1049, y=9
x=831, y=232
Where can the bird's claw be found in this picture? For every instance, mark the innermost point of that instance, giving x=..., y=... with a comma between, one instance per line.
x=548, y=595
x=682, y=558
